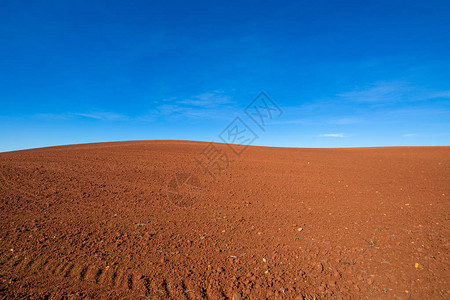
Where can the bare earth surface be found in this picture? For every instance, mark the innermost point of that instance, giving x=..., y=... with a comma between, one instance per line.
x=141, y=220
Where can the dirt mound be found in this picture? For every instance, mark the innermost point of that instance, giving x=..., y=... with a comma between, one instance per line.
x=190, y=220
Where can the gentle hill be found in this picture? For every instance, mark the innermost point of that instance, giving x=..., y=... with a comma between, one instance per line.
x=146, y=218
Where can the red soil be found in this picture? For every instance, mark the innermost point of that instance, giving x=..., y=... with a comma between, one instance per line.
x=114, y=220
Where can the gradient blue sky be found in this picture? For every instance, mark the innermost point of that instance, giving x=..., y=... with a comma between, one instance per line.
x=345, y=73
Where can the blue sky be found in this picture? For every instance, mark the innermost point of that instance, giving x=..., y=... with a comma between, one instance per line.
x=345, y=73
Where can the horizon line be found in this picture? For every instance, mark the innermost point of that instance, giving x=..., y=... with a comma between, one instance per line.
x=201, y=141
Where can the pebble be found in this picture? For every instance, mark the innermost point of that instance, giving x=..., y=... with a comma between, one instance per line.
x=237, y=296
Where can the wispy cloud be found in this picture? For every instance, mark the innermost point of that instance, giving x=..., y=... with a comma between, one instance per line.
x=410, y=134
x=53, y=116
x=214, y=104
x=379, y=92
x=334, y=135
x=210, y=105
x=394, y=91
x=104, y=116
x=209, y=99
x=345, y=121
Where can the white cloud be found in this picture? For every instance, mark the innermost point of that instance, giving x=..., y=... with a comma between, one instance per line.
x=51, y=116
x=410, y=134
x=442, y=94
x=334, y=135
x=345, y=121
x=105, y=116
x=213, y=104
x=379, y=92
x=208, y=99
x=393, y=91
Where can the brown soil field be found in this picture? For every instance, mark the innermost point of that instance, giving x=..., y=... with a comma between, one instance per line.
x=143, y=220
